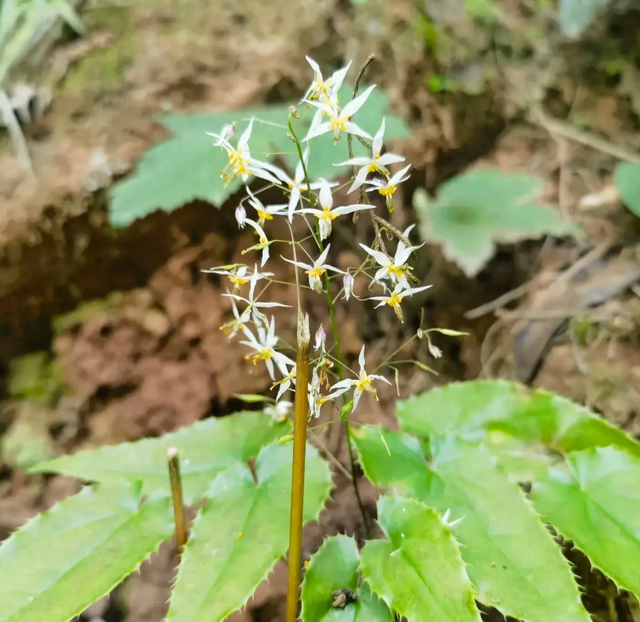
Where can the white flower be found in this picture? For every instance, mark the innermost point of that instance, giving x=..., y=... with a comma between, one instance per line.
x=316, y=271
x=320, y=338
x=324, y=89
x=264, y=213
x=253, y=306
x=240, y=323
x=362, y=384
x=285, y=383
x=328, y=213
x=347, y=284
x=241, y=164
x=264, y=349
x=377, y=163
x=395, y=298
x=297, y=185
x=239, y=274
x=340, y=120
x=394, y=269
x=241, y=215
x=226, y=133
x=316, y=399
x=279, y=411
x=263, y=242
x=388, y=188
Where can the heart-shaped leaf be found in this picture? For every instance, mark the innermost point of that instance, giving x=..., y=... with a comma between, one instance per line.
x=65, y=559
x=241, y=532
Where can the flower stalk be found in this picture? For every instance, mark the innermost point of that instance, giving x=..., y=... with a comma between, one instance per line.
x=301, y=416
x=178, y=498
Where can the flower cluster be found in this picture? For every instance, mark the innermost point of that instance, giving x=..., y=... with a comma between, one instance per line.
x=313, y=201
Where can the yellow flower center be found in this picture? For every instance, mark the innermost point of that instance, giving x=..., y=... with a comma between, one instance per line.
x=398, y=271
x=394, y=300
x=264, y=215
x=338, y=123
x=316, y=273
x=387, y=191
x=237, y=166
x=364, y=384
x=327, y=215
x=238, y=280
x=264, y=354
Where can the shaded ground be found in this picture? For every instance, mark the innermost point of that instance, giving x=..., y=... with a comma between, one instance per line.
x=146, y=356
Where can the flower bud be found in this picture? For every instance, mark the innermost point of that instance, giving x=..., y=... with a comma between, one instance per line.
x=241, y=215
x=436, y=352
x=347, y=283
x=320, y=339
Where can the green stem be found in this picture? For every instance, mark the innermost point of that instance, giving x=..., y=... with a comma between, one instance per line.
x=301, y=417
x=334, y=327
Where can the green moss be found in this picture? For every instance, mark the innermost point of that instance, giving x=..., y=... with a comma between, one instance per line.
x=102, y=68
x=36, y=376
x=86, y=311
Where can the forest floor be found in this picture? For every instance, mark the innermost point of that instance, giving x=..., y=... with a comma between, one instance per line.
x=107, y=337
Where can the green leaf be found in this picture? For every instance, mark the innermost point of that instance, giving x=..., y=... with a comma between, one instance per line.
x=418, y=571
x=241, y=532
x=205, y=449
x=511, y=557
x=627, y=179
x=597, y=506
x=69, y=557
x=187, y=166
x=472, y=409
x=477, y=210
x=336, y=566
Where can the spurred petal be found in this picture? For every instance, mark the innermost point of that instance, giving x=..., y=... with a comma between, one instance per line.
x=361, y=360
x=360, y=179
x=398, y=177
x=314, y=66
x=326, y=198
x=354, y=105
x=323, y=257
x=380, y=257
x=390, y=158
x=359, y=161
x=323, y=128
x=349, y=209
x=246, y=135
x=356, y=130
x=338, y=78
x=376, y=146
x=299, y=264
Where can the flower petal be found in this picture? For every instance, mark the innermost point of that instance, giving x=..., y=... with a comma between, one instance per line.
x=356, y=130
x=323, y=128
x=355, y=104
x=376, y=146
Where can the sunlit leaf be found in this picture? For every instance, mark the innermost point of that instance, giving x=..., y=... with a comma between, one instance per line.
x=418, y=571
x=510, y=556
x=69, y=557
x=597, y=506
x=472, y=409
x=336, y=566
x=241, y=532
x=477, y=210
x=205, y=449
